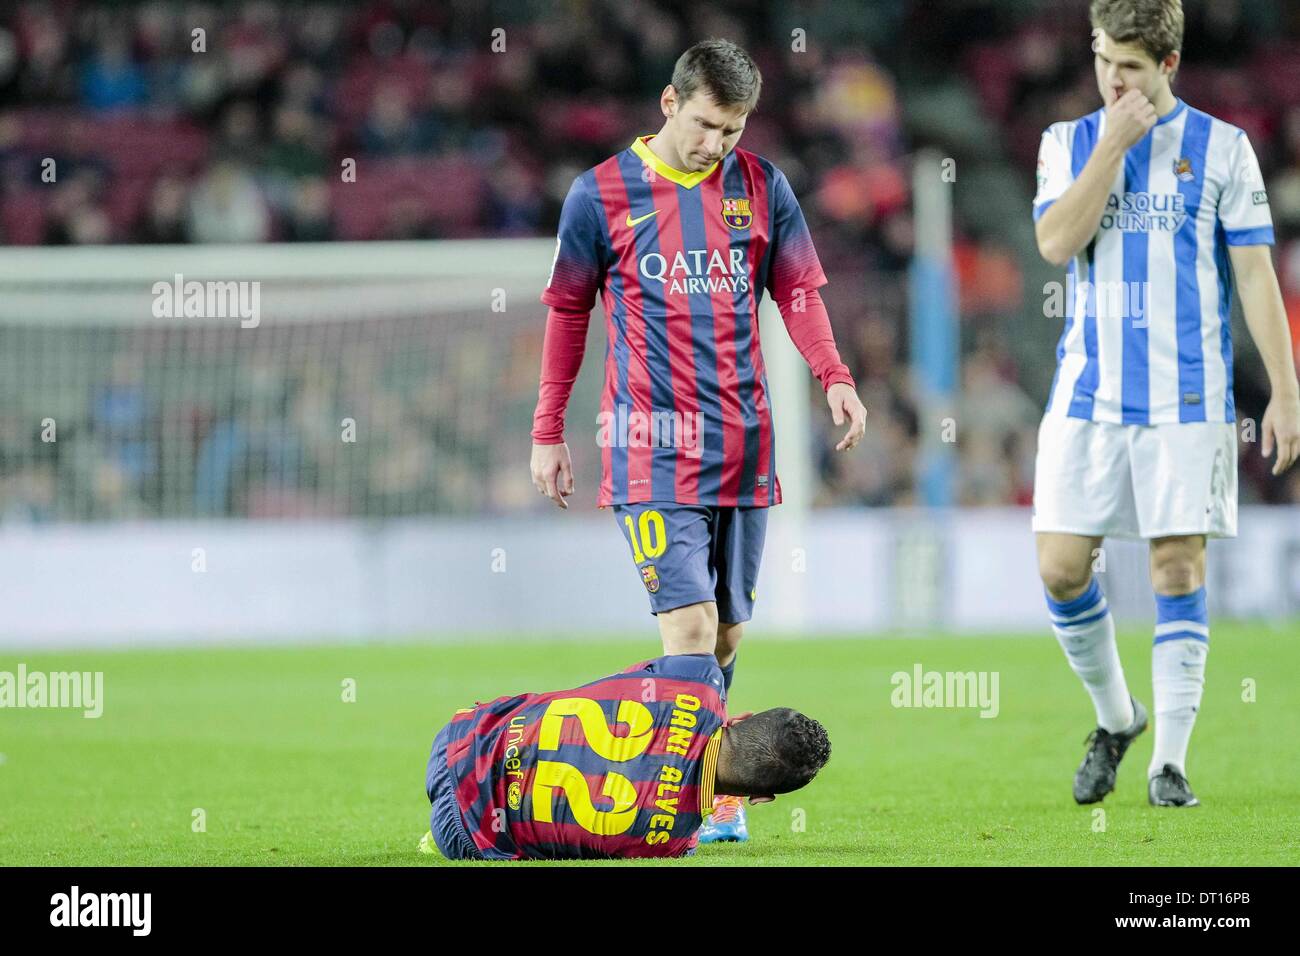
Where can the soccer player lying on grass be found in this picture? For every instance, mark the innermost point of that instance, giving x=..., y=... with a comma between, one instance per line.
x=626, y=766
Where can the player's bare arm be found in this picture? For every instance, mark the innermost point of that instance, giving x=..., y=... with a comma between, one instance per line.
x=1261, y=300
x=1072, y=221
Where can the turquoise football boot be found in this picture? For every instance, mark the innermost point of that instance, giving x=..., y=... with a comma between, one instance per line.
x=726, y=824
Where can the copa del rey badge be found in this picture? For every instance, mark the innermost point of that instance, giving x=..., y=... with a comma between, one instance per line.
x=736, y=214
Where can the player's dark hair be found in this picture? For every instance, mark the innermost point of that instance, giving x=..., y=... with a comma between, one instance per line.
x=776, y=751
x=721, y=70
x=1154, y=25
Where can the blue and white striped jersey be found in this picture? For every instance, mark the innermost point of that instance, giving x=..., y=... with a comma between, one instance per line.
x=1147, y=303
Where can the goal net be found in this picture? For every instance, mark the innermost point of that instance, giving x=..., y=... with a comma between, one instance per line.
x=283, y=381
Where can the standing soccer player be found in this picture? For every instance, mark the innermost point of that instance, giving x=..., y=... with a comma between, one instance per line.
x=680, y=233
x=1156, y=208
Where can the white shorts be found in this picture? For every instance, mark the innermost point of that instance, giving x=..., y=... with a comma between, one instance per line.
x=1135, y=481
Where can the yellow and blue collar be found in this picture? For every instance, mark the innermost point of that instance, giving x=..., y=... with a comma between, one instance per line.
x=661, y=168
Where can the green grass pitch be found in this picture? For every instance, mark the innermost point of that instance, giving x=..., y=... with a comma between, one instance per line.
x=285, y=772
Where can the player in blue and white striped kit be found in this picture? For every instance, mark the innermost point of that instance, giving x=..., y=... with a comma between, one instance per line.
x=1155, y=208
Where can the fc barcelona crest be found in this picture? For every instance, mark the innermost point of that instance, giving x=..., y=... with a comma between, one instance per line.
x=1183, y=170
x=651, y=578
x=736, y=214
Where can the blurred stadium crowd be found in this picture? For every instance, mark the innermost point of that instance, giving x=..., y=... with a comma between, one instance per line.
x=245, y=142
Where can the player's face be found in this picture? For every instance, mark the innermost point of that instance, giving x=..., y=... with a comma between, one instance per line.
x=706, y=132
x=1122, y=67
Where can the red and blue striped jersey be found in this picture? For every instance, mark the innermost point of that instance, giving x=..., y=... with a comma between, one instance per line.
x=681, y=261
x=620, y=767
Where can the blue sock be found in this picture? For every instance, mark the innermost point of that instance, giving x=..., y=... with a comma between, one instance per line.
x=1182, y=617
x=726, y=675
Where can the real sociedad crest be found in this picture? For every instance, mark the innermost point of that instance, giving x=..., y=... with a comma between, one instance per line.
x=736, y=214
x=1183, y=170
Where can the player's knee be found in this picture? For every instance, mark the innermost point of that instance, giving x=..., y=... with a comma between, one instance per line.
x=1064, y=580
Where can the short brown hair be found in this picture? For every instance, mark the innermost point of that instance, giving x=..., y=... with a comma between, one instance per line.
x=720, y=69
x=1154, y=25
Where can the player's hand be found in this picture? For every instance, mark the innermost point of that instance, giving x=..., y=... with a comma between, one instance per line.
x=845, y=406
x=1130, y=118
x=553, y=472
x=1281, y=427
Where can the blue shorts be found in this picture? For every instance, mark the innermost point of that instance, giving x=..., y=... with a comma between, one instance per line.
x=688, y=554
x=445, y=821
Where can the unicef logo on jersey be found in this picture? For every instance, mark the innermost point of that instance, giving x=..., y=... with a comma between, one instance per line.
x=1145, y=212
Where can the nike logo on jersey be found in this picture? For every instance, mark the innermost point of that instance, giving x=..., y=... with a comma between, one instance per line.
x=632, y=222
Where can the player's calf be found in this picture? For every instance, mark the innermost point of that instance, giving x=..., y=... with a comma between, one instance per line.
x=690, y=630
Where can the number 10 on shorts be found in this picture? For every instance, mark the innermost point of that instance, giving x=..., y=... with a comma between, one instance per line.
x=649, y=540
